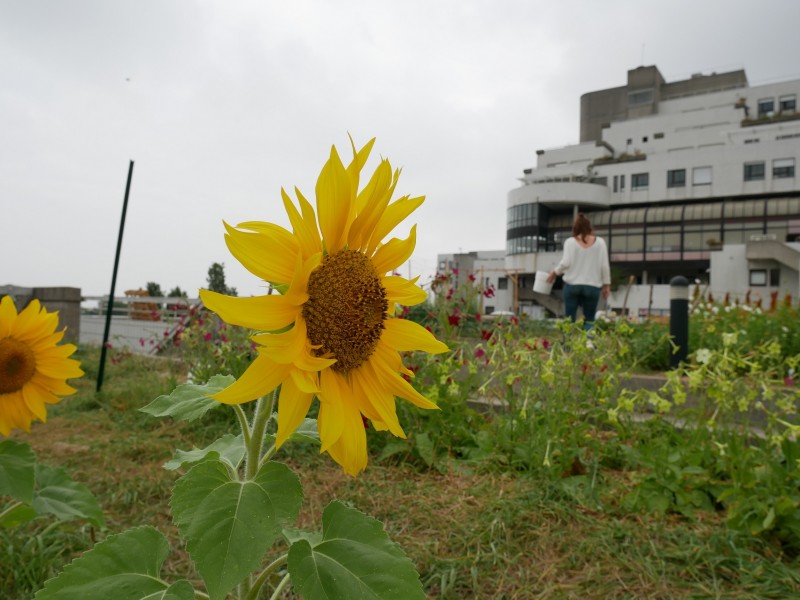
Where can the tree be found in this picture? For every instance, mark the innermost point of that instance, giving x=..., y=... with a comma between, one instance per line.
x=154, y=290
x=177, y=292
x=216, y=280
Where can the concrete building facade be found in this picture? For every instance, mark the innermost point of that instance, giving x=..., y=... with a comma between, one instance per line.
x=694, y=178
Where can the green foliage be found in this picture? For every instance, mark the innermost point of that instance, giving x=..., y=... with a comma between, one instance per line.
x=124, y=567
x=216, y=280
x=37, y=490
x=354, y=559
x=228, y=524
x=154, y=289
x=210, y=346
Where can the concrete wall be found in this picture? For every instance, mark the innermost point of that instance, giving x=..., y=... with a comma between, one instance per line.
x=65, y=300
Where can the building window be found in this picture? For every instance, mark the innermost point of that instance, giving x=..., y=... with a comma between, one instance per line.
x=766, y=106
x=782, y=167
x=758, y=277
x=787, y=104
x=640, y=97
x=754, y=171
x=676, y=178
x=775, y=277
x=622, y=183
x=701, y=176
x=616, y=183
x=640, y=181
x=502, y=283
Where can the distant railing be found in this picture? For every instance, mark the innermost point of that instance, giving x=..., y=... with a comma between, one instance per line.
x=139, y=308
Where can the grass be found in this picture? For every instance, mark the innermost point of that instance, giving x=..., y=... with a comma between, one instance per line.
x=471, y=534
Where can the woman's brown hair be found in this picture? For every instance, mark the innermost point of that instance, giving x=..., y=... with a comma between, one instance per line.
x=581, y=227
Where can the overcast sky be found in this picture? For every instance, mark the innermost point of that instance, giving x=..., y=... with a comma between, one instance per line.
x=221, y=103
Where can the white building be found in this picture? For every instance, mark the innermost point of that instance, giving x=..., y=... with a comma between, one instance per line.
x=694, y=178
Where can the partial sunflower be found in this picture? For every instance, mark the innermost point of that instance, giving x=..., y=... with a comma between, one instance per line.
x=33, y=368
x=331, y=331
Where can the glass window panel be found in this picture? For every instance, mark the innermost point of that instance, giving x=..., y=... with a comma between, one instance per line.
x=701, y=176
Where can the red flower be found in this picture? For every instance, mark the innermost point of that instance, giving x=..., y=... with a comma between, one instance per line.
x=455, y=271
x=479, y=353
x=488, y=292
x=545, y=344
x=471, y=277
x=428, y=327
x=485, y=334
x=515, y=320
x=478, y=317
x=454, y=320
x=207, y=337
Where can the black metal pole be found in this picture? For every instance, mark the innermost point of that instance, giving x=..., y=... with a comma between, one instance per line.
x=110, y=305
x=679, y=320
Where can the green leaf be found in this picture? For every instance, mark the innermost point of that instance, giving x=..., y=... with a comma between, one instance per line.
x=123, y=567
x=356, y=559
x=57, y=494
x=229, y=525
x=292, y=535
x=392, y=447
x=424, y=446
x=189, y=402
x=16, y=470
x=229, y=449
x=180, y=590
x=17, y=516
x=307, y=432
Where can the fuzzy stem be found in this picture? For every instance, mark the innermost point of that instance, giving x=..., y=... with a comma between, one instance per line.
x=265, y=574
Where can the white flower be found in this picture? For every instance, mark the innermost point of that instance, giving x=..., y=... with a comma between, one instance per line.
x=703, y=355
x=728, y=339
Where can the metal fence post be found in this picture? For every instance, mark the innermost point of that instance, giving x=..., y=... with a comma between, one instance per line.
x=679, y=320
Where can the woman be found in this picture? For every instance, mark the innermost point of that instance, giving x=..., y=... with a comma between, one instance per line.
x=586, y=270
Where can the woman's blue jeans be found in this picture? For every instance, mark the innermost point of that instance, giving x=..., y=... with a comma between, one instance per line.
x=585, y=296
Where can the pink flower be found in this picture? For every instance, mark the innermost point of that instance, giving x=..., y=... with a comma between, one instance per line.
x=207, y=337
x=141, y=342
x=479, y=353
x=455, y=271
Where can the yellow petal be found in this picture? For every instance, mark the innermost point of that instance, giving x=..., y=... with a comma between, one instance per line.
x=354, y=168
x=265, y=313
x=306, y=381
x=333, y=395
x=58, y=367
x=404, y=335
x=334, y=201
x=285, y=347
x=373, y=200
x=373, y=395
x=350, y=451
x=35, y=398
x=8, y=314
x=54, y=385
x=392, y=217
x=305, y=229
x=396, y=385
x=260, y=378
x=293, y=405
x=270, y=254
x=400, y=290
x=395, y=252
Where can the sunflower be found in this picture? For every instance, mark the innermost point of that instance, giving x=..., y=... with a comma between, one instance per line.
x=33, y=368
x=331, y=332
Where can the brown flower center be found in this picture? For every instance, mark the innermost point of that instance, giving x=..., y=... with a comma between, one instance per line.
x=17, y=365
x=346, y=309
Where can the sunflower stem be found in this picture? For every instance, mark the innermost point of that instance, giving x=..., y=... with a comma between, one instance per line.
x=242, y=417
x=8, y=510
x=260, y=419
x=265, y=574
x=276, y=594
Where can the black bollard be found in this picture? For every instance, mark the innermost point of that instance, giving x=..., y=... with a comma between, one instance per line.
x=678, y=320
